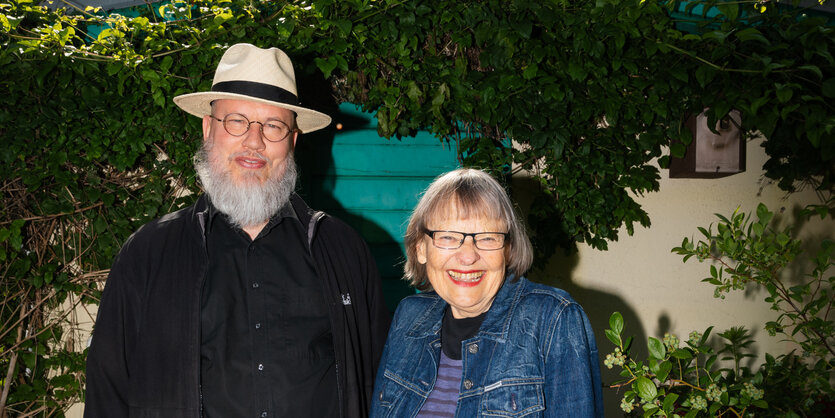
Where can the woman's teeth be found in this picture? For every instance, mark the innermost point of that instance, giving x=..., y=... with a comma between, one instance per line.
x=466, y=277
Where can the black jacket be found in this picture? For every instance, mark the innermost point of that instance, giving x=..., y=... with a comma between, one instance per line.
x=144, y=360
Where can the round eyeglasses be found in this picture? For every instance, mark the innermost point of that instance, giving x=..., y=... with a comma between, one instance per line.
x=451, y=240
x=237, y=124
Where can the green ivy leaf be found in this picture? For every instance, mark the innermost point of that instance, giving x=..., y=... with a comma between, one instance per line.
x=327, y=65
x=656, y=348
x=752, y=34
x=440, y=96
x=682, y=354
x=704, y=75
x=664, y=370
x=784, y=93
x=677, y=150
x=730, y=10
x=759, y=403
x=669, y=402
x=613, y=337
x=344, y=25
x=616, y=322
x=814, y=69
x=530, y=71
x=645, y=389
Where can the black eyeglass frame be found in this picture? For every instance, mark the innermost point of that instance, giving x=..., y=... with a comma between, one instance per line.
x=249, y=125
x=431, y=235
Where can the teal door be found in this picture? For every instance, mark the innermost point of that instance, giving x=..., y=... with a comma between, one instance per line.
x=372, y=183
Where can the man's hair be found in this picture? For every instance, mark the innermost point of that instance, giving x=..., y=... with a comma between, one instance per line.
x=470, y=194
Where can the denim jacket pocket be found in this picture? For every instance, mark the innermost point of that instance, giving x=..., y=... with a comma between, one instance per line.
x=512, y=400
x=394, y=396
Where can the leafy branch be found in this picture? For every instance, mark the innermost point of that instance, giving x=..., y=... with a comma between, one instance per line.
x=681, y=380
x=750, y=251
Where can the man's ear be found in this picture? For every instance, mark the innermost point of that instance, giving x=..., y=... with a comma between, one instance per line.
x=295, y=137
x=421, y=251
x=207, y=127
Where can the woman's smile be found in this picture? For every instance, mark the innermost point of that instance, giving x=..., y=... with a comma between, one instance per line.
x=466, y=278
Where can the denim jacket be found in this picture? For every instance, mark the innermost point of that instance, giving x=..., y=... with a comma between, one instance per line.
x=534, y=356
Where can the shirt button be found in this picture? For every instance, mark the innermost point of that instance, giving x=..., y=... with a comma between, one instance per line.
x=255, y=285
x=473, y=348
x=264, y=414
x=258, y=325
x=260, y=367
x=468, y=384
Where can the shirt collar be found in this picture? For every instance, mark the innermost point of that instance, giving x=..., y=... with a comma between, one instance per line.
x=286, y=211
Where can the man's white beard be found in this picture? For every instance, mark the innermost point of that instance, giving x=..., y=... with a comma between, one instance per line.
x=248, y=204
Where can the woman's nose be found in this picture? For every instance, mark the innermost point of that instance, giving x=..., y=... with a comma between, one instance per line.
x=468, y=253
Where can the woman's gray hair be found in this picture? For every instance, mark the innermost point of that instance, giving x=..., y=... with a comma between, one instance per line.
x=473, y=194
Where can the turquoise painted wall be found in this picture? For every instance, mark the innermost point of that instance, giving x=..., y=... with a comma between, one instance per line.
x=372, y=183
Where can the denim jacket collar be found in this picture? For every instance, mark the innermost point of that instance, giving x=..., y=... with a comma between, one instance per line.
x=496, y=324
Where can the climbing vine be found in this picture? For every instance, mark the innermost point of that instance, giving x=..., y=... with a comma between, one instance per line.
x=584, y=94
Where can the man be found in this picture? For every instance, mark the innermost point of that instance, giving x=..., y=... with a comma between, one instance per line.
x=247, y=303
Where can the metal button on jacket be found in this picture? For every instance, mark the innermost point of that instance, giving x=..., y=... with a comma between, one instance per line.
x=473, y=348
x=468, y=384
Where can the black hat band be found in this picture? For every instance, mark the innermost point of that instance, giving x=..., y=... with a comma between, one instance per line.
x=257, y=90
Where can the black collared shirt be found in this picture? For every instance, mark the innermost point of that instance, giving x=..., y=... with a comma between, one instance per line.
x=266, y=343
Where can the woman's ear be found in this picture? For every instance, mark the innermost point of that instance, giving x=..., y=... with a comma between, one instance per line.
x=421, y=251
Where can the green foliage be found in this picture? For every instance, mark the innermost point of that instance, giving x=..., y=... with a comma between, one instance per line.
x=749, y=251
x=683, y=380
x=589, y=94
x=693, y=380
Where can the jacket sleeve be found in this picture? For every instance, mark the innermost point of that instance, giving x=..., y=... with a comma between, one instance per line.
x=572, y=380
x=114, y=336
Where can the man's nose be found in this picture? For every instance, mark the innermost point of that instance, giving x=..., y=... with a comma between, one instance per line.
x=254, y=137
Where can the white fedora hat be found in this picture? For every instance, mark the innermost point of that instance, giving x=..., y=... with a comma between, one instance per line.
x=246, y=72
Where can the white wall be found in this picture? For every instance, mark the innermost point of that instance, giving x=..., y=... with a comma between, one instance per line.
x=653, y=289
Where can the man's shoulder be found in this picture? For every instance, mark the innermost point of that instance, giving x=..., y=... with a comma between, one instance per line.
x=323, y=225
x=171, y=223
x=334, y=225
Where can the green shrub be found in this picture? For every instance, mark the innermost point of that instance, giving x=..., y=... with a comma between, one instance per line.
x=694, y=380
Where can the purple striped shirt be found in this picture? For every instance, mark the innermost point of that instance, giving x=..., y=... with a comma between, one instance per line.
x=443, y=400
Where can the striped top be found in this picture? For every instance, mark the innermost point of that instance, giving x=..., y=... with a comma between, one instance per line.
x=443, y=400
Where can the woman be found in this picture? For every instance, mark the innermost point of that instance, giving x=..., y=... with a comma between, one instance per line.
x=480, y=340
